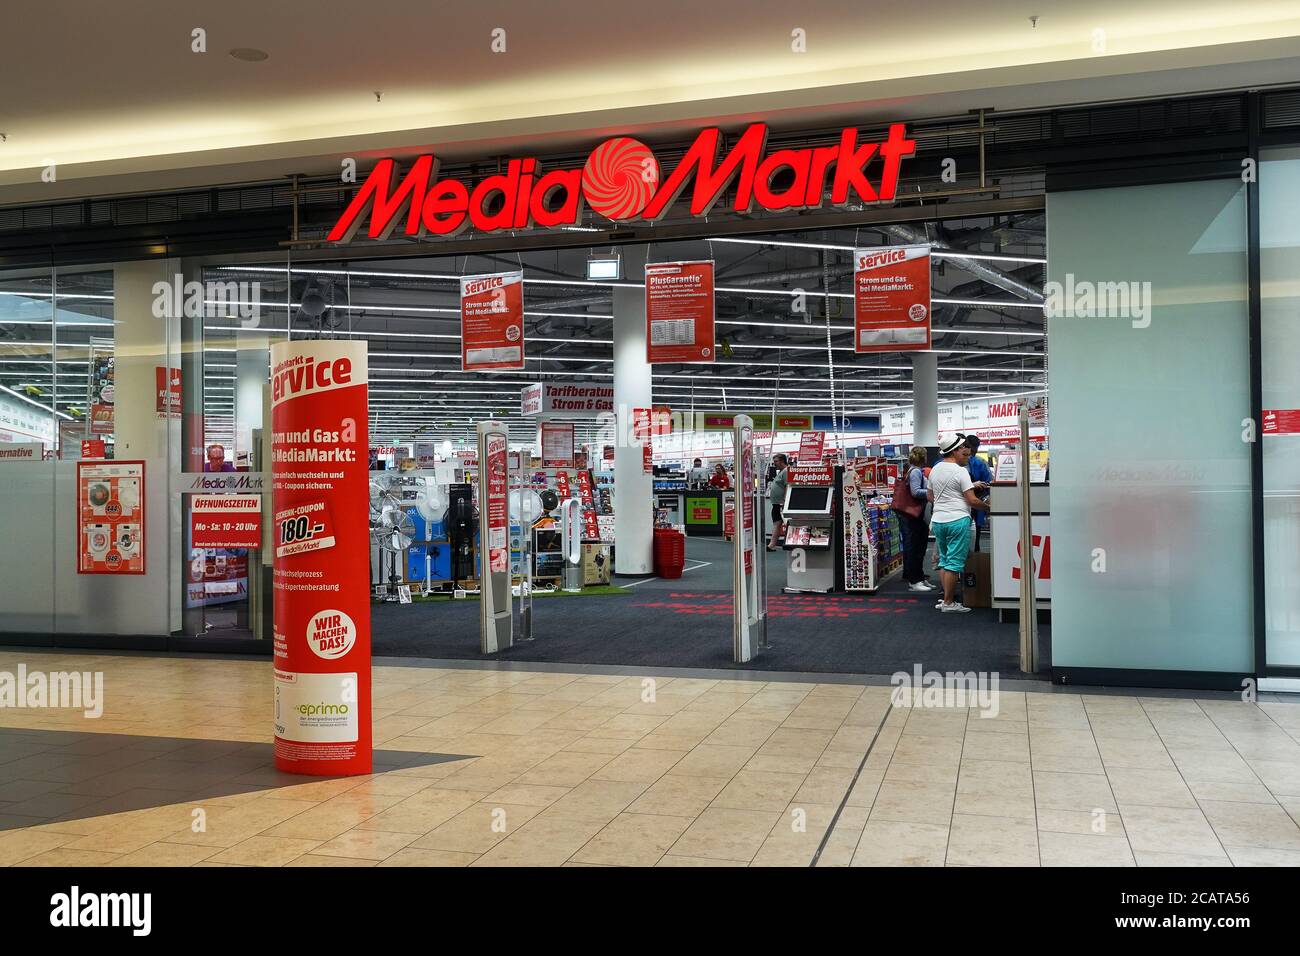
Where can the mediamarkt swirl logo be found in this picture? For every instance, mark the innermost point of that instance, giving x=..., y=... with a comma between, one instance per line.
x=622, y=181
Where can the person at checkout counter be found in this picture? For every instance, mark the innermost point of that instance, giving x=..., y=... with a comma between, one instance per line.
x=719, y=480
x=698, y=476
x=776, y=485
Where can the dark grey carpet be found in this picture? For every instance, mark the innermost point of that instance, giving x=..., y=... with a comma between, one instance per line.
x=687, y=623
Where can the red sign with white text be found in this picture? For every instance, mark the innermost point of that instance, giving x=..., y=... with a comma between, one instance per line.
x=891, y=299
x=320, y=489
x=167, y=391
x=590, y=524
x=226, y=521
x=811, y=445
x=816, y=474
x=1281, y=421
x=622, y=181
x=492, y=322
x=92, y=448
x=679, y=312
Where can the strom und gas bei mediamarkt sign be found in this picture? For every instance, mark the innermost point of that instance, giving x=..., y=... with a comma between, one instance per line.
x=622, y=181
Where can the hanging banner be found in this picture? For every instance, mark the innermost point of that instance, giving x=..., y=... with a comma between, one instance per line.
x=891, y=299
x=320, y=495
x=492, y=322
x=167, y=391
x=226, y=521
x=810, y=446
x=726, y=421
x=110, y=517
x=557, y=444
x=679, y=312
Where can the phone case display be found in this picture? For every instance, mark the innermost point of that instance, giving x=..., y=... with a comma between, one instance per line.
x=859, y=537
x=110, y=517
x=889, y=540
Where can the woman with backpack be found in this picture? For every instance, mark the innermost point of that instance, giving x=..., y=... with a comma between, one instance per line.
x=911, y=491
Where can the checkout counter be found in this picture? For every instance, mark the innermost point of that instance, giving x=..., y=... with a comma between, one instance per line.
x=1004, y=535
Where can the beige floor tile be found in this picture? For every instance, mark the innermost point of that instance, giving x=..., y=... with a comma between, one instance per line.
x=415, y=857
x=907, y=801
x=63, y=857
x=478, y=828
x=365, y=844
x=1082, y=849
x=638, y=766
x=542, y=841
x=996, y=746
x=1065, y=763
x=1099, y=823
x=421, y=812
x=565, y=769
x=1234, y=792
x=527, y=795
x=999, y=788
x=896, y=843
x=609, y=746
x=19, y=845
x=677, y=795
x=992, y=841
x=757, y=790
x=669, y=859
x=1167, y=859
x=725, y=834
x=265, y=851
x=1072, y=791
x=1153, y=788
x=633, y=839
x=713, y=760
x=311, y=859
x=863, y=794
x=167, y=854
x=1258, y=856
x=1170, y=830
x=1131, y=753
x=826, y=785
x=1252, y=825
x=600, y=800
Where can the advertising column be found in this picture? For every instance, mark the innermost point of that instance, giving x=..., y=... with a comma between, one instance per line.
x=320, y=494
x=891, y=299
x=748, y=571
x=495, y=619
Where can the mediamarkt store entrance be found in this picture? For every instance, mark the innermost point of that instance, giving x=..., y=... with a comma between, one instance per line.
x=595, y=380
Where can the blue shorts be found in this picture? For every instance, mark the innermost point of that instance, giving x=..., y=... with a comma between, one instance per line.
x=951, y=540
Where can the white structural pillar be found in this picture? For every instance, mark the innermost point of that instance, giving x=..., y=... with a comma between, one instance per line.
x=633, y=488
x=143, y=341
x=925, y=398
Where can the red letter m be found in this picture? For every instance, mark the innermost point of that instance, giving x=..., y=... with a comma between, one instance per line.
x=387, y=207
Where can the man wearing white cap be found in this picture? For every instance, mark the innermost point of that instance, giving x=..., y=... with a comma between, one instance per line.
x=953, y=494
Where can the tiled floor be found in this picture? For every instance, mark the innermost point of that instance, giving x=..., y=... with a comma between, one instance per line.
x=490, y=767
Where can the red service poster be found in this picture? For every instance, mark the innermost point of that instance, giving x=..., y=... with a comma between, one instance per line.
x=92, y=448
x=110, y=517
x=167, y=391
x=679, y=312
x=891, y=299
x=492, y=322
x=1281, y=421
x=320, y=493
x=498, y=523
x=226, y=521
x=557, y=444
x=811, y=445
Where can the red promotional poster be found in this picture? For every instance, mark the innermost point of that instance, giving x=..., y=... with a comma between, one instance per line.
x=110, y=517
x=562, y=484
x=101, y=419
x=226, y=521
x=492, y=322
x=1281, y=421
x=811, y=445
x=590, y=523
x=557, y=444
x=821, y=473
x=746, y=480
x=891, y=299
x=320, y=491
x=679, y=312
x=167, y=391
x=92, y=448
x=498, y=523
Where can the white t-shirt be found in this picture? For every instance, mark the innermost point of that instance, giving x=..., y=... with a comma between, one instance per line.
x=949, y=481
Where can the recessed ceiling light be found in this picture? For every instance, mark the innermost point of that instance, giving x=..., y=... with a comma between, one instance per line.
x=249, y=54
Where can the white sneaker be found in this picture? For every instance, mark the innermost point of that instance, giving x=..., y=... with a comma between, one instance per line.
x=919, y=586
x=954, y=608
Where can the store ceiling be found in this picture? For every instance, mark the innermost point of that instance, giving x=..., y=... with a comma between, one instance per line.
x=114, y=96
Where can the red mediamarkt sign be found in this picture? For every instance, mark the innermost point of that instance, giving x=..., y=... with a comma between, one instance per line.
x=622, y=181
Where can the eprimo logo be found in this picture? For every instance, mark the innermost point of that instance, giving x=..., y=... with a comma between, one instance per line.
x=622, y=180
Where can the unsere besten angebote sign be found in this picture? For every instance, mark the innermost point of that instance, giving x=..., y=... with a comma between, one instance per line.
x=492, y=322
x=321, y=536
x=891, y=299
x=679, y=312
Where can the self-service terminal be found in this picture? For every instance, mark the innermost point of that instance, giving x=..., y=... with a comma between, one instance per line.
x=813, y=537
